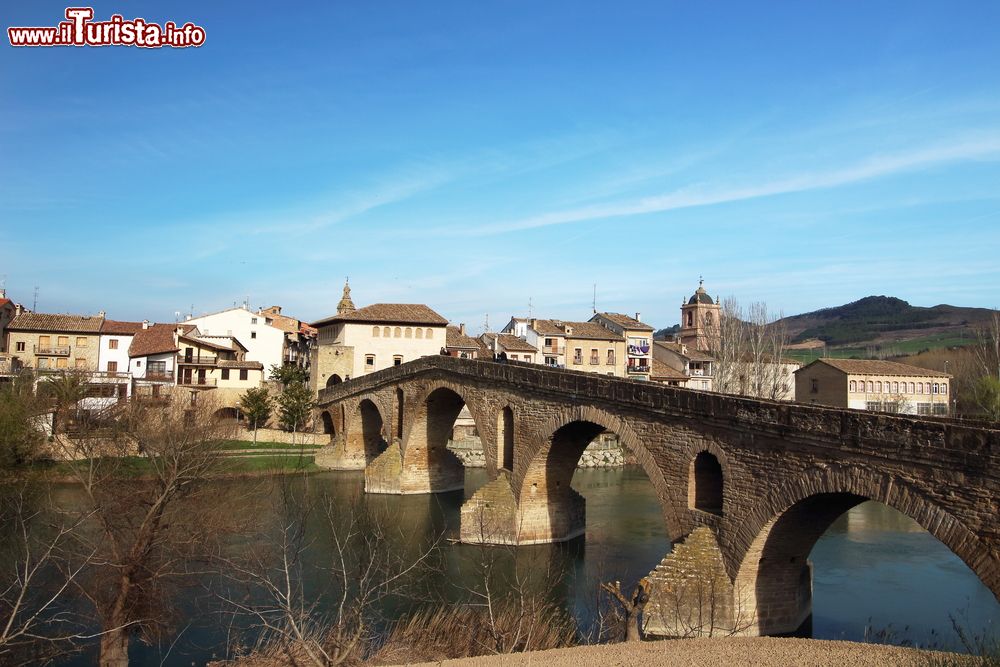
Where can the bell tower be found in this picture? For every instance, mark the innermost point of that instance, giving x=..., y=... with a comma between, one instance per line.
x=699, y=320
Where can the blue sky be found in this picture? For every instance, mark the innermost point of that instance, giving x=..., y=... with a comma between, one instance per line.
x=475, y=155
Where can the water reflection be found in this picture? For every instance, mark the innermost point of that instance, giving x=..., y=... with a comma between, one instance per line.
x=873, y=563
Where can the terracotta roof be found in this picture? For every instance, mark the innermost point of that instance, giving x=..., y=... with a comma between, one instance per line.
x=590, y=331
x=241, y=364
x=4, y=302
x=198, y=340
x=548, y=328
x=112, y=327
x=394, y=313
x=510, y=343
x=455, y=338
x=44, y=322
x=692, y=354
x=876, y=367
x=157, y=339
x=626, y=322
x=661, y=371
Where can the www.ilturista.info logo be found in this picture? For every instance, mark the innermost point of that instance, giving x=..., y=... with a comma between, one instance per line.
x=80, y=30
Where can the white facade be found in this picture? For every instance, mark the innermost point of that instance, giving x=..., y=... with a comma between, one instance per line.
x=264, y=343
x=162, y=364
x=394, y=344
x=112, y=356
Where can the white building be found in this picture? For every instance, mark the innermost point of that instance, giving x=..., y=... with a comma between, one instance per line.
x=264, y=343
x=153, y=358
x=357, y=341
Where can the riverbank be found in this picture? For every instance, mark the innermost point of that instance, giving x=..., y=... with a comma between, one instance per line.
x=757, y=651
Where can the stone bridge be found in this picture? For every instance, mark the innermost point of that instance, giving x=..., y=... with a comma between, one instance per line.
x=756, y=483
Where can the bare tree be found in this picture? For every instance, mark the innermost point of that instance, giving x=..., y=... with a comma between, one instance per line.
x=36, y=579
x=146, y=527
x=362, y=565
x=632, y=606
x=748, y=347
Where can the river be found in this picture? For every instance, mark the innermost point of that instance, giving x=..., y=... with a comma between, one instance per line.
x=876, y=572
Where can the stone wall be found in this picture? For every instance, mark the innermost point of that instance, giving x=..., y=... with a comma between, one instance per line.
x=284, y=437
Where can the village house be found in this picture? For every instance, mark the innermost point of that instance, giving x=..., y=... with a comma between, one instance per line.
x=153, y=359
x=547, y=336
x=881, y=386
x=460, y=344
x=357, y=341
x=515, y=349
x=300, y=338
x=638, y=342
x=216, y=364
x=45, y=342
x=694, y=365
x=264, y=342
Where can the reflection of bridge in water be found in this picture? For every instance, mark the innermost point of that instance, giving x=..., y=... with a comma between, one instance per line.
x=743, y=484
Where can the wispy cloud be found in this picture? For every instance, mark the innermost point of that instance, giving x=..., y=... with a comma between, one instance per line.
x=972, y=148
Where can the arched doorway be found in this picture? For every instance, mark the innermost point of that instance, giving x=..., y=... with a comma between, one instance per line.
x=333, y=380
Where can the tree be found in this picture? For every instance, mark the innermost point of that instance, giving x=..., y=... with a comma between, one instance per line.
x=631, y=606
x=20, y=410
x=986, y=394
x=295, y=405
x=145, y=531
x=65, y=389
x=287, y=374
x=256, y=405
x=362, y=564
x=748, y=347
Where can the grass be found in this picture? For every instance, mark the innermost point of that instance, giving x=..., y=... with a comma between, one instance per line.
x=225, y=445
x=136, y=467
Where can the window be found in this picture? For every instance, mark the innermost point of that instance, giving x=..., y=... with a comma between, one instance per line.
x=611, y=357
x=420, y=332
x=940, y=408
x=690, y=319
x=814, y=388
x=64, y=341
x=936, y=387
x=944, y=388
x=112, y=366
x=409, y=332
x=138, y=363
x=386, y=332
x=397, y=332
x=927, y=387
x=19, y=347
x=923, y=408
x=244, y=374
x=912, y=390
x=375, y=332
x=43, y=362
x=854, y=385
x=63, y=362
x=429, y=333
x=253, y=320
x=112, y=344
x=878, y=387
x=155, y=367
x=225, y=373
x=895, y=387
x=874, y=406
x=370, y=362
x=578, y=356
x=920, y=387
x=253, y=334
x=548, y=342
x=871, y=386
x=397, y=360
x=594, y=359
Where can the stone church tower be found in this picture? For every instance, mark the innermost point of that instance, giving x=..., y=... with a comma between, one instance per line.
x=699, y=320
x=346, y=305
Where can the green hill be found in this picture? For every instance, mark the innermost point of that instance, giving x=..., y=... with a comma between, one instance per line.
x=880, y=319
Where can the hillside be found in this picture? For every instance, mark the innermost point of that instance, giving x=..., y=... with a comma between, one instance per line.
x=880, y=319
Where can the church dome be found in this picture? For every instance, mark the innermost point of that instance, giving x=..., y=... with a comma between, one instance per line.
x=701, y=296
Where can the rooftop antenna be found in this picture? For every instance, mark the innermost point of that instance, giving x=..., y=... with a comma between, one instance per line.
x=529, y=307
x=177, y=316
x=486, y=324
x=594, y=305
x=34, y=301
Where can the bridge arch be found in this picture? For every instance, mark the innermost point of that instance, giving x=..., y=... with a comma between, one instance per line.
x=773, y=579
x=427, y=464
x=329, y=427
x=542, y=475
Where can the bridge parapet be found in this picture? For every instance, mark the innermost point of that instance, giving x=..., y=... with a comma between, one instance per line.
x=797, y=420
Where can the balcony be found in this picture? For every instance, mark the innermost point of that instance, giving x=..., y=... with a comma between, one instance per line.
x=198, y=359
x=52, y=350
x=108, y=375
x=158, y=376
x=197, y=382
x=554, y=349
x=578, y=361
x=639, y=368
